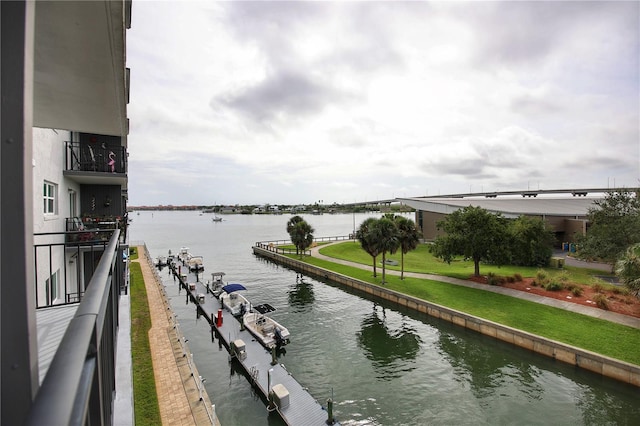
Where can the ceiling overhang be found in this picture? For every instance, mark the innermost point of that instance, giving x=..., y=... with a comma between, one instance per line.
x=80, y=81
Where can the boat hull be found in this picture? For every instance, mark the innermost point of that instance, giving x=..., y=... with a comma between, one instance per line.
x=235, y=303
x=266, y=330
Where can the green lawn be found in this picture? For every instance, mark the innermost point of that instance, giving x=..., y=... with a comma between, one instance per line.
x=421, y=260
x=147, y=410
x=610, y=339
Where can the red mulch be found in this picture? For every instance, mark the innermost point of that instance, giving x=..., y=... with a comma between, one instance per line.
x=626, y=305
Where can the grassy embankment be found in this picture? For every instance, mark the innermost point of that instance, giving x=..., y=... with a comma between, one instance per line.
x=147, y=410
x=603, y=337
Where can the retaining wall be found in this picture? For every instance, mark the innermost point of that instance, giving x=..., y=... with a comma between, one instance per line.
x=591, y=361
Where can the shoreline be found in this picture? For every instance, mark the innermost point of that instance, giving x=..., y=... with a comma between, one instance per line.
x=600, y=364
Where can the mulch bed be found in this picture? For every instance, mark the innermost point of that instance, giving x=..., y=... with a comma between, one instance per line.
x=626, y=305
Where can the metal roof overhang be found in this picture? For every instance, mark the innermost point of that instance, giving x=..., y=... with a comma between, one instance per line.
x=569, y=207
x=80, y=81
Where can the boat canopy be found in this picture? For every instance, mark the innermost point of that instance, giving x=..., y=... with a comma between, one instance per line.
x=230, y=288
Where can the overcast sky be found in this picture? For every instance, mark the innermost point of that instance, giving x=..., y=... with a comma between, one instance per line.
x=297, y=102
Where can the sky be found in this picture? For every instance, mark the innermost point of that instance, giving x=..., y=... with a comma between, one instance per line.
x=271, y=102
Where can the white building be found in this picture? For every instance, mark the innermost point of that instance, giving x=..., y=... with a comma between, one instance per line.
x=65, y=91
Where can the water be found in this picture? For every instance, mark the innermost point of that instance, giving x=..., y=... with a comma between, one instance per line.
x=381, y=364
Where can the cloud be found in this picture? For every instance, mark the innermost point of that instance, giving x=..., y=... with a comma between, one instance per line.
x=288, y=101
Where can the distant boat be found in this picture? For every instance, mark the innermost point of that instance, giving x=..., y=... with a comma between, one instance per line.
x=216, y=218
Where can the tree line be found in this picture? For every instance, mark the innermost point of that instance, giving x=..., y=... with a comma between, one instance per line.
x=485, y=237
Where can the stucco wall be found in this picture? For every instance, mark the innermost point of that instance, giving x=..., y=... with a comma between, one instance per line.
x=596, y=363
x=48, y=165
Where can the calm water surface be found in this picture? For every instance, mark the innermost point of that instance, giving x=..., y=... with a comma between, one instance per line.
x=381, y=365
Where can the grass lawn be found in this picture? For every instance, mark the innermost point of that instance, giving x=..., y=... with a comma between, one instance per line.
x=603, y=337
x=422, y=261
x=145, y=399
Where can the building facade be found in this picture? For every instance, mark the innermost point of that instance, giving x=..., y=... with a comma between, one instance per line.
x=65, y=89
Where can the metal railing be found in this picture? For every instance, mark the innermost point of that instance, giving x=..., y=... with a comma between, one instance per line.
x=72, y=258
x=275, y=245
x=80, y=383
x=88, y=158
x=91, y=228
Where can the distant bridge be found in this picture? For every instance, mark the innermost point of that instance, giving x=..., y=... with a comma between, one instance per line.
x=525, y=193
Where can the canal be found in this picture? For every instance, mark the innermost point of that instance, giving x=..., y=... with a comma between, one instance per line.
x=381, y=365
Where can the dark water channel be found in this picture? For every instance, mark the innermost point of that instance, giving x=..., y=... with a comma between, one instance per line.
x=381, y=364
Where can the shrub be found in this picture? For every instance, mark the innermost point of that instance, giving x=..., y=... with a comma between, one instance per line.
x=511, y=279
x=517, y=277
x=542, y=279
x=541, y=275
x=624, y=291
x=598, y=287
x=575, y=289
x=601, y=301
x=493, y=278
x=562, y=277
x=554, y=286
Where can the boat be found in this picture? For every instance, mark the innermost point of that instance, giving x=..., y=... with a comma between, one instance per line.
x=183, y=254
x=216, y=283
x=160, y=261
x=216, y=218
x=234, y=302
x=196, y=263
x=265, y=329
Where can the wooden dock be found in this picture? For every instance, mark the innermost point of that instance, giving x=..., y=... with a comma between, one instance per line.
x=301, y=409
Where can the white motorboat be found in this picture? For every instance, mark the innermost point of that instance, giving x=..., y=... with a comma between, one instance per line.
x=265, y=329
x=216, y=284
x=196, y=263
x=234, y=302
x=160, y=261
x=183, y=254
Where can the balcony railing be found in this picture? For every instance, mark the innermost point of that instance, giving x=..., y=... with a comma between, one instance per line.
x=80, y=382
x=89, y=158
x=65, y=262
x=94, y=229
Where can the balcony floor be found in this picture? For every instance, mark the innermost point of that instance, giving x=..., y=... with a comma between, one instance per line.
x=51, y=325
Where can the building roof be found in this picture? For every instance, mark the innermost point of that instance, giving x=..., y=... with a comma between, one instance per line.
x=508, y=206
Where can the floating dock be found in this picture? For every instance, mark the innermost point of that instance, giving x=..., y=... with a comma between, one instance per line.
x=276, y=385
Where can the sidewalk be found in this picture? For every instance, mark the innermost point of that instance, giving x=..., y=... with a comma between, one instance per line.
x=573, y=307
x=178, y=396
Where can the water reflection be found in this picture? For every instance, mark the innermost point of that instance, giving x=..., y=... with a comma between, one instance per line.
x=301, y=295
x=386, y=347
x=487, y=371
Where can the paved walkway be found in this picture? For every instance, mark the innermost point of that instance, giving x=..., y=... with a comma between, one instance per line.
x=573, y=307
x=181, y=403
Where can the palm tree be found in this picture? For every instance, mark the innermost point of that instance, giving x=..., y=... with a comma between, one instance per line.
x=365, y=236
x=303, y=235
x=628, y=269
x=409, y=238
x=386, y=239
x=291, y=230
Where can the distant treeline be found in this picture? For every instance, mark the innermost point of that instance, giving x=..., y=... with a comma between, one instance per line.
x=282, y=208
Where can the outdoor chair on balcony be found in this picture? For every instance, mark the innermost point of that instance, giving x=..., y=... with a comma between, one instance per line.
x=77, y=225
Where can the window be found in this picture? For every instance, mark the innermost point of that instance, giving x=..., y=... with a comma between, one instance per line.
x=73, y=202
x=51, y=288
x=49, y=194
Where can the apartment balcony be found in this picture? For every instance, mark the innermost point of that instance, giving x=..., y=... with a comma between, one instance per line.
x=94, y=229
x=96, y=164
x=77, y=341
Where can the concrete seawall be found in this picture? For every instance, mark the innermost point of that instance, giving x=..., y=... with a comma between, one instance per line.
x=609, y=367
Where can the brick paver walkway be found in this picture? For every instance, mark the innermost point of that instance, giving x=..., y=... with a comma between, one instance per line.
x=178, y=396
